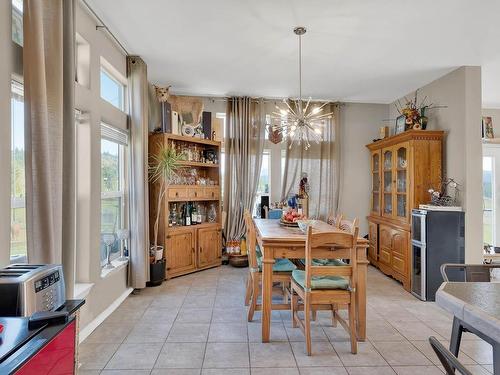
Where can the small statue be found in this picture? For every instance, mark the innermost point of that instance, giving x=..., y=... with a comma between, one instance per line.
x=304, y=187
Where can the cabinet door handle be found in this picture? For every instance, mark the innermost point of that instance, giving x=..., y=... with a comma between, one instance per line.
x=213, y=194
x=176, y=193
x=201, y=249
x=192, y=249
x=195, y=193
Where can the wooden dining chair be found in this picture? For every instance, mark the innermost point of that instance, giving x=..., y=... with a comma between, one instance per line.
x=326, y=286
x=334, y=220
x=282, y=272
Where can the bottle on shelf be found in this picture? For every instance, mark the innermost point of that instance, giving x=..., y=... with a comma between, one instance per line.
x=172, y=220
x=194, y=214
x=187, y=214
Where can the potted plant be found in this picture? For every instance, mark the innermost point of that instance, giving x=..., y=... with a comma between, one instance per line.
x=163, y=167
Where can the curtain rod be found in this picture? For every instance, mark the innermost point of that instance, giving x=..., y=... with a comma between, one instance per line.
x=103, y=26
x=267, y=100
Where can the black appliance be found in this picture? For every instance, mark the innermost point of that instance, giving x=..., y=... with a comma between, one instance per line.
x=264, y=202
x=437, y=237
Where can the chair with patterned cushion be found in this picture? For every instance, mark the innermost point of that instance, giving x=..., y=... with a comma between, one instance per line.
x=320, y=287
x=282, y=272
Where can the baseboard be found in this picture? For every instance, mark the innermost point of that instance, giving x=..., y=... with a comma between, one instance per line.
x=89, y=328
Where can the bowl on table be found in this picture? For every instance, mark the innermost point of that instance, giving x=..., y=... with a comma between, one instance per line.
x=305, y=223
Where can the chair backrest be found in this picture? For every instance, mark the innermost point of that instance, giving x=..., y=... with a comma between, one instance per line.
x=448, y=360
x=473, y=272
x=251, y=239
x=335, y=220
x=335, y=240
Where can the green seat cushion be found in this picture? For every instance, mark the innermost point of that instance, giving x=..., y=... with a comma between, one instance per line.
x=280, y=265
x=258, y=251
x=321, y=282
x=325, y=262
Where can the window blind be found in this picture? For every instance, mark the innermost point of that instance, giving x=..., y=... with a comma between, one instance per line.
x=113, y=134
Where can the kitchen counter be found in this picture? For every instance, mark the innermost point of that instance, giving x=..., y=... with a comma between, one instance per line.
x=19, y=344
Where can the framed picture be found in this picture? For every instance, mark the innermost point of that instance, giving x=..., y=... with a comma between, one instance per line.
x=488, y=127
x=400, y=124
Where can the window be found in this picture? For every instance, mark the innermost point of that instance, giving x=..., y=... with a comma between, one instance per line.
x=222, y=161
x=18, y=248
x=263, y=188
x=488, y=200
x=113, y=187
x=17, y=22
x=112, y=90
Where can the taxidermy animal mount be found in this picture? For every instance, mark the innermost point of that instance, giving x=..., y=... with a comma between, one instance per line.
x=162, y=93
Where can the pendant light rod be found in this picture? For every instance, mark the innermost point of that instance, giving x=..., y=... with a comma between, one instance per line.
x=300, y=30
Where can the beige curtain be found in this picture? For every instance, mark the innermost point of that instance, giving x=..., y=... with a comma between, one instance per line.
x=138, y=126
x=243, y=144
x=322, y=164
x=49, y=72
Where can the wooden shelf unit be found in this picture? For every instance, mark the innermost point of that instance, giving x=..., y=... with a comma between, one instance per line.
x=403, y=167
x=195, y=247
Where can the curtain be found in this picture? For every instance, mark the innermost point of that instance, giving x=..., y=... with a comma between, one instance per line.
x=138, y=127
x=49, y=73
x=321, y=162
x=244, y=144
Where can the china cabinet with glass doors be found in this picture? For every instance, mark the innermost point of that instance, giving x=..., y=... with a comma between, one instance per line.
x=403, y=167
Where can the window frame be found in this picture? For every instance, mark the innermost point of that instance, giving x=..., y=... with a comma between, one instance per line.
x=492, y=210
x=111, y=73
x=120, y=138
x=17, y=88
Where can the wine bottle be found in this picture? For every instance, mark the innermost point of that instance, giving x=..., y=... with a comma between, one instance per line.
x=194, y=215
x=187, y=214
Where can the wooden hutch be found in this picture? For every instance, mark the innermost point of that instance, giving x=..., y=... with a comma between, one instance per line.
x=194, y=247
x=403, y=167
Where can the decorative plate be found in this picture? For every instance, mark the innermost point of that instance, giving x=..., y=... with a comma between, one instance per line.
x=289, y=223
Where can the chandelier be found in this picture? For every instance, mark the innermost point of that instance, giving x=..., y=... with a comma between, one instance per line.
x=298, y=121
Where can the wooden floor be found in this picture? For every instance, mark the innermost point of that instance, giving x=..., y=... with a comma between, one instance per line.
x=196, y=324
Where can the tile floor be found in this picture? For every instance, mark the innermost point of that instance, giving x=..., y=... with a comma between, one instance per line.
x=196, y=324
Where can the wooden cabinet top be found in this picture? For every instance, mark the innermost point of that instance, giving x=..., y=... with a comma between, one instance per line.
x=182, y=138
x=430, y=135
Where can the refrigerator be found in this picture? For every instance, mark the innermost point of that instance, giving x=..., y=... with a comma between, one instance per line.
x=437, y=237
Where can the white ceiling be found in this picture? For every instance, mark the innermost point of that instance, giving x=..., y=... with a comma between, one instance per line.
x=356, y=50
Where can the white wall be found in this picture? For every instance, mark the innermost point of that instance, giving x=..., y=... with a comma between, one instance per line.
x=360, y=124
x=87, y=99
x=5, y=92
x=460, y=91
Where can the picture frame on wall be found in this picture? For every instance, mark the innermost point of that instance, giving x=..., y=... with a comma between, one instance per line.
x=487, y=125
x=400, y=124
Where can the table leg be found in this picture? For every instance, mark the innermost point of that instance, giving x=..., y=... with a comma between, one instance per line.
x=267, y=289
x=361, y=300
x=496, y=358
x=456, y=336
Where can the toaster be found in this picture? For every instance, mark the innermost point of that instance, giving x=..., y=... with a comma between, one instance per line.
x=29, y=288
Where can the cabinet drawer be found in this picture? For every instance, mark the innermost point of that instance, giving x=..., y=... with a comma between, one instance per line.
x=212, y=193
x=196, y=193
x=384, y=256
x=178, y=193
x=399, y=264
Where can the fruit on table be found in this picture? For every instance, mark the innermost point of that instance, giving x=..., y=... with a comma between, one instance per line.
x=292, y=216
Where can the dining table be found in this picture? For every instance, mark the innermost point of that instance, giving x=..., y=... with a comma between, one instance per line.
x=476, y=308
x=278, y=241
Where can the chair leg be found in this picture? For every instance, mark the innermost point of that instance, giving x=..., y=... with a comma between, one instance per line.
x=352, y=326
x=248, y=292
x=284, y=286
x=255, y=295
x=313, y=314
x=334, y=315
x=294, y=305
x=307, y=323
